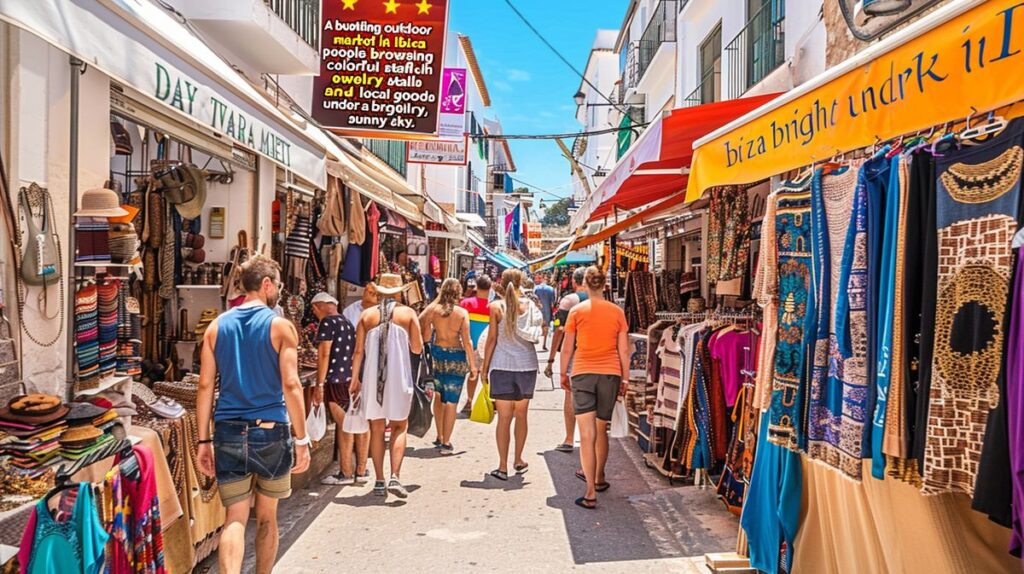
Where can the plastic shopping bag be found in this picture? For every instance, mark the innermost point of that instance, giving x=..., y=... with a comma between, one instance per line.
x=483, y=406
x=355, y=418
x=316, y=422
x=620, y=421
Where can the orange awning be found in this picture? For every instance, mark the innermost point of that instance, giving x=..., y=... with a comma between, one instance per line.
x=657, y=164
x=660, y=207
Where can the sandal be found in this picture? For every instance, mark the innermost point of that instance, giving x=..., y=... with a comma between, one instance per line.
x=499, y=474
x=600, y=486
x=588, y=503
x=521, y=469
x=564, y=447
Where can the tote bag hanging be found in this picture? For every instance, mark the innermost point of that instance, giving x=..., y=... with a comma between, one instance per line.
x=355, y=418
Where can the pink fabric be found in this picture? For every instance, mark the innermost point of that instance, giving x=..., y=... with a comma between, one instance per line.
x=27, y=537
x=373, y=226
x=728, y=350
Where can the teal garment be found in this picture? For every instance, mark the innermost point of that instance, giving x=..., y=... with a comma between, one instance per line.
x=72, y=546
x=886, y=303
x=771, y=512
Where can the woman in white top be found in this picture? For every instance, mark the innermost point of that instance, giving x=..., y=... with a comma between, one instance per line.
x=510, y=366
x=387, y=337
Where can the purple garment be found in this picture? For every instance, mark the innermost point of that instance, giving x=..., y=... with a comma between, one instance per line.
x=1015, y=404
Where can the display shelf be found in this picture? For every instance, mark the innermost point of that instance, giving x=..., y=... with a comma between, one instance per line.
x=107, y=383
x=102, y=264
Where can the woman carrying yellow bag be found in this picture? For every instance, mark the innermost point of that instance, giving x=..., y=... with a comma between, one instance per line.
x=510, y=367
x=483, y=406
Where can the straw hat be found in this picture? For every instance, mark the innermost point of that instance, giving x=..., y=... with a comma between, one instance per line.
x=389, y=284
x=100, y=202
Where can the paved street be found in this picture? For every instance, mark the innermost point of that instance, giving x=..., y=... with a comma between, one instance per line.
x=458, y=518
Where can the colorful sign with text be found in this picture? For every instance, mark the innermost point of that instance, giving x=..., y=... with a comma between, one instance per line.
x=967, y=62
x=440, y=152
x=380, y=67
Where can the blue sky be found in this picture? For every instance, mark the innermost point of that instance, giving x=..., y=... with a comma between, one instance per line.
x=531, y=89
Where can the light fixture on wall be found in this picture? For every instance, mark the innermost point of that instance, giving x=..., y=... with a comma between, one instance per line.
x=884, y=7
x=580, y=97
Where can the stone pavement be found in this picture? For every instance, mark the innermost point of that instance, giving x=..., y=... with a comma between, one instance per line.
x=458, y=518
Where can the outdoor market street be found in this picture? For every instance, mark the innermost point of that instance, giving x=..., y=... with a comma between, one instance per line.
x=457, y=518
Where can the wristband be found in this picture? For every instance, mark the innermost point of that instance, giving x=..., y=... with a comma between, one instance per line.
x=303, y=441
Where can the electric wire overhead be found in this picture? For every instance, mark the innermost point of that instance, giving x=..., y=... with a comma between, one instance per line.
x=563, y=58
x=555, y=136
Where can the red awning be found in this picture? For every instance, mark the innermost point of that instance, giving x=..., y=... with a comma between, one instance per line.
x=654, y=167
x=637, y=218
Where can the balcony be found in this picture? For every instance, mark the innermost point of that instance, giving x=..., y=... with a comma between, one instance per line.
x=660, y=30
x=391, y=152
x=261, y=36
x=709, y=90
x=758, y=49
x=630, y=73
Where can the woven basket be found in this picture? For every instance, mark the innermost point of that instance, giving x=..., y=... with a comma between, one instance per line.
x=184, y=393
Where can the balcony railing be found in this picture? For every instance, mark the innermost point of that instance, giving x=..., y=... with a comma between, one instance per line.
x=758, y=49
x=302, y=16
x=630, y=72
x=709, y=90
x=391, y=152
x=661, y=29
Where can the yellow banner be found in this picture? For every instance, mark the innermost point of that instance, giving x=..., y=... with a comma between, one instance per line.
x=974, y=59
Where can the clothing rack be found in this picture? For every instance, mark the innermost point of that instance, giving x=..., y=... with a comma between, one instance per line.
x=66, y=472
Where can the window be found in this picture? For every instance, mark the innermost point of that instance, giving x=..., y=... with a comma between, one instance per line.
x=711, y=67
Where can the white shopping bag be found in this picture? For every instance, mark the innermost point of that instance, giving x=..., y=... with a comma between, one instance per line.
x=355, y=418
x=316, y=422
x=620, y=421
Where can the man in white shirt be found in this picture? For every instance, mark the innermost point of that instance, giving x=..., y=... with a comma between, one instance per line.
x=369, y=300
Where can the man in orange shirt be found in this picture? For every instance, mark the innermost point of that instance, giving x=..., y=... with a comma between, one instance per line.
x=597, y=329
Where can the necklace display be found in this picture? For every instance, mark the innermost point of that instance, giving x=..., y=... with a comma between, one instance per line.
x=985, y=181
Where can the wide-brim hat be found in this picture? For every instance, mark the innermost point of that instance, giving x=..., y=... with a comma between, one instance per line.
x=100, y=202
x=184, y=186
x=16, y=411
x=83, y=413
x=80, y=435
x=389, y=284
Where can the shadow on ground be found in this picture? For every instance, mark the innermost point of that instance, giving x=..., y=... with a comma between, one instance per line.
x=640, y=517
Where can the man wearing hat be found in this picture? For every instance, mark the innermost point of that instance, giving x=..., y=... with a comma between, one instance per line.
x=260, y=407
x=336, y=342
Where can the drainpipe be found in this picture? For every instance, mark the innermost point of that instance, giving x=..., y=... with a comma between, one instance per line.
x=77, y=69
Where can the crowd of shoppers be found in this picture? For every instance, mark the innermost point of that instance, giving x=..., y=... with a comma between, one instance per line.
x=369, y=355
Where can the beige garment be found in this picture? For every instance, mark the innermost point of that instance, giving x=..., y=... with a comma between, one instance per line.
x=894, y=441
x=883, y=527
x=332, y=220
x=356, y=219
x=765, y=291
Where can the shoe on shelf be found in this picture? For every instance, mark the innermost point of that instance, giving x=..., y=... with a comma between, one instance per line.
x=395, y=487
x=338, y=480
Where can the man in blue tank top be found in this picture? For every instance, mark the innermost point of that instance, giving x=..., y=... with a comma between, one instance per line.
x=252, y=449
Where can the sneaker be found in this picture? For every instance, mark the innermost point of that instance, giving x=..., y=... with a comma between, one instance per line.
x=446, y=449
x=437, y=444
x=338, y=480
x=363, y=477
x=396, y=488
x=379, y=489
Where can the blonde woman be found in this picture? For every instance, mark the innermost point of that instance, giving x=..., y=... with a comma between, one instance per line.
x=446, y=326
x=510, y=365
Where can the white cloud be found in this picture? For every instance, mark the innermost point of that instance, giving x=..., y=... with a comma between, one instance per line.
x=515, y=75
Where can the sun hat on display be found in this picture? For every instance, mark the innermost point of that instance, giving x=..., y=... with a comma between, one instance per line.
x=34, y=409
x=100, y=202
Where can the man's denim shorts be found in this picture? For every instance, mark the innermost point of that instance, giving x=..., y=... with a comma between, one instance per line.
x=250, y=457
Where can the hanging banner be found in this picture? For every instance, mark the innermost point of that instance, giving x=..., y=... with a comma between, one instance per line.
x=380, y=67
x=957, y=68
x=513, y=227
x=452, y=124
x=439, y=152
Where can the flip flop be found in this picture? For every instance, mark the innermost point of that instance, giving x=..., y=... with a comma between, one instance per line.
x=600, y=486
x=499, y=474
x=521, y=469
x=588, y=503
x=564, y=447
